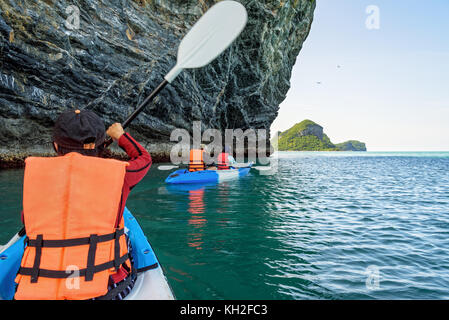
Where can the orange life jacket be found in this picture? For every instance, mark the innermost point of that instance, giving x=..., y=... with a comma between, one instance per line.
x=223, y=161
x=70, y=207
x=197, y=160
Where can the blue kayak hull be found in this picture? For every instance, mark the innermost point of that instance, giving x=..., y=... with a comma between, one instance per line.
x=143, y=257
x=206, y=176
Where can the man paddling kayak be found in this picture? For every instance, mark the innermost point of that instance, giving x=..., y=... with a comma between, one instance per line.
x=196, y=162
x=73, y=213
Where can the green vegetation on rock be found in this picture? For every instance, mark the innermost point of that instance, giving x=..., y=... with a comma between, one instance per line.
x=306, y=143
x=309, y=136
x=303, y=125
x=351, y=145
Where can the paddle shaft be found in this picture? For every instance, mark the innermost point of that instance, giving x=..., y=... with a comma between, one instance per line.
x=145, y=103
x=139, y=109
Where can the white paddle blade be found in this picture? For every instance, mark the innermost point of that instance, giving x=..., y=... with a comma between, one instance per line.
x=166, y=168
x=241, y=165
x=213, y=33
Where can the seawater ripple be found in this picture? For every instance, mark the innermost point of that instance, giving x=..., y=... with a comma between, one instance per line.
x=315, y=230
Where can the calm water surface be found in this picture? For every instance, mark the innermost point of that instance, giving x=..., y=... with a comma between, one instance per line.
x=326, y=226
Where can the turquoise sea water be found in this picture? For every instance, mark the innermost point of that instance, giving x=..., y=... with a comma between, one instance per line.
x=325, y=226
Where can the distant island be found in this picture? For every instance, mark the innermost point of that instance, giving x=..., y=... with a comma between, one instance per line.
x=309, y=136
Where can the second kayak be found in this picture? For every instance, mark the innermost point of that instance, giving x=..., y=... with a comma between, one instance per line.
x=206, y=176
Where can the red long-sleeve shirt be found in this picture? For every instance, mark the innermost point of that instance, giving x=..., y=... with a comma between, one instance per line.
x=139, y=164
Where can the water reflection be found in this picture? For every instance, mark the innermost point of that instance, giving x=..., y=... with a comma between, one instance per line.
x=197, y=219
x=217, y=197
x=196, y=208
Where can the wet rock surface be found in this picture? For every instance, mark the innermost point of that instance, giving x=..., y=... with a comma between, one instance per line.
x=120, y=52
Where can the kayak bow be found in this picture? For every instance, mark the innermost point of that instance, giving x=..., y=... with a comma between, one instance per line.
x=151, y=283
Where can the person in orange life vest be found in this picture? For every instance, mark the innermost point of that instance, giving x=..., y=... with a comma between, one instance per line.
x=197, y=159
x=225, y=160
x=73, y=213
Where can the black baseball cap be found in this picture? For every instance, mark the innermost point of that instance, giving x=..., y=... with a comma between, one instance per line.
x=79, y=130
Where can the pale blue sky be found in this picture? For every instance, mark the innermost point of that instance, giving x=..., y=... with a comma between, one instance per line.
x=392, y=89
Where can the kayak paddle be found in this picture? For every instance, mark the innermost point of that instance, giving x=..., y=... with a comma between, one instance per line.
x=241, y=165
x=213, y=33
x=166, y=168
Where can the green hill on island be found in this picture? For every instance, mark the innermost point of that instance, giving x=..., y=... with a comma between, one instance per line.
x=309, y=136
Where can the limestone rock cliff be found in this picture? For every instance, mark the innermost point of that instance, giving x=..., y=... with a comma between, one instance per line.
x=305, y=136
x=309, y=136
x=121, y=51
